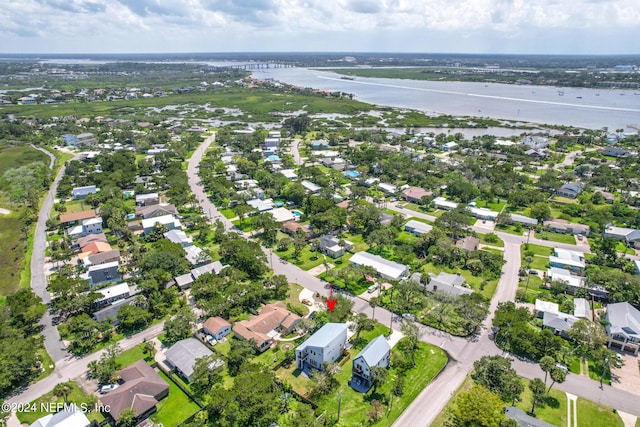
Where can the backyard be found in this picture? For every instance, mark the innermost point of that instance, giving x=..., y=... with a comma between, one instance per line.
x=354, y=406
x=174, y=409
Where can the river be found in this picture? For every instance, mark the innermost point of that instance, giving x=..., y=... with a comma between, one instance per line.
x=579, y=107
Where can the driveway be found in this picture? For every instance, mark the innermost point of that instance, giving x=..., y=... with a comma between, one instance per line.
x=628, y=376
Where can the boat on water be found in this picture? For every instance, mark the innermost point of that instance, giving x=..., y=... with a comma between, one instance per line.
x=578, y=97
x=347, y=78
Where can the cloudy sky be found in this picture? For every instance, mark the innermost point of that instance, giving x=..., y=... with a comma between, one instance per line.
x=465, y=26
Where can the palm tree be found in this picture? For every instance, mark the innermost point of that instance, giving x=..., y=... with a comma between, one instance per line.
x=63, y=390
x=373, y=303
x=149, y=349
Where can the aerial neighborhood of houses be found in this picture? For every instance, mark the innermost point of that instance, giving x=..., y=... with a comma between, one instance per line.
x=214, y=262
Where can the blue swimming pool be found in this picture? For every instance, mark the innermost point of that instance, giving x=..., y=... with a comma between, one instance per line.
x=297, y=213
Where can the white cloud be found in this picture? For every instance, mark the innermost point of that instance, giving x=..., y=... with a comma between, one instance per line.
x=304, y=25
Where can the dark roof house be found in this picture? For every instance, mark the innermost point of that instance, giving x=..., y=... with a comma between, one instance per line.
x=141, y=391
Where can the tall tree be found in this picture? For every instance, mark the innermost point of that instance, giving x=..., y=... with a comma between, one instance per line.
x=477, y=407
x=539, y=391
x=547, y=364
x=496, y=374
x=63, y=390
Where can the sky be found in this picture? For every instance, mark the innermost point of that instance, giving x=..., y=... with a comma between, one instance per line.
x=421, y=26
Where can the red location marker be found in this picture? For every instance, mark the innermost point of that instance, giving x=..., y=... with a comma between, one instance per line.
x=331, y=302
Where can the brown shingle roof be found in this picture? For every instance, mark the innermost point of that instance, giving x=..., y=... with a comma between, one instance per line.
x=272, y=316
x=141, y=390
x=214, y=324
x=104, y=257
x=84, y=241
x=416, y=192
x=468, y=243
x=77, y=216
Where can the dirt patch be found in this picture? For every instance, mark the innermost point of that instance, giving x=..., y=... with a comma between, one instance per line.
x=286, y=346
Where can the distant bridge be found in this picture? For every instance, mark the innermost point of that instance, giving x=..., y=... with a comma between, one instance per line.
x=248, y=66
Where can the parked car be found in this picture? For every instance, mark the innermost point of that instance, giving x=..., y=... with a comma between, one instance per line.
x=107, y=388
x=409, y=316
x=580, y=237
x=371, y=289
x=562, y=367
x=307, y=302
x=399, y=206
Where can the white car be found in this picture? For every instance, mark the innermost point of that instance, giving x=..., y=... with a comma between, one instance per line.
x=371, y=289
x=107, y=388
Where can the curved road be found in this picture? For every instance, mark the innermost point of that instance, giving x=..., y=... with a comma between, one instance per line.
x=462, y=351
x=52, y=341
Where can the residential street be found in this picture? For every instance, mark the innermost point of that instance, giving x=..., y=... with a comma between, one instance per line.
x=462, y=351
x=38, y=279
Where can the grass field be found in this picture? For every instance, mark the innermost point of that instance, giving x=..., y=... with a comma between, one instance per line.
x=590, y=414
x=540, y=255
x=12, y=252
x=429, y=361
x=12, y=247
x=261, y=104
x=556, y=237
x=175, y=408
x=48, y=400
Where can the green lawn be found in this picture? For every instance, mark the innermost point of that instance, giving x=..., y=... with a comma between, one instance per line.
x=306, y=259
x=175, y=408
x=475, y=282
x=494, y=206
x=13, y=247
x=565, y=200
x=47, y=363
x=228, y=213
x=553, y=412
x=511, y=229
x=46, y=401
x=429, y=361
x=130, y=356
x=590, y=414
x=556, y=237
x=540, y=255
x=484, y=241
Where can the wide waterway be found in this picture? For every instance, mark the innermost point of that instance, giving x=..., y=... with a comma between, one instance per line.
x=579, y=107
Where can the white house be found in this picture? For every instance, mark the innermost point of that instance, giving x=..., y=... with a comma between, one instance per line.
x=417, y=228
x=217, y=327
x=182, y=356
x=483, y=213
x=82, y=192
x=69, y=416
x=87, y=226
x=571, y=260
x=169, y=221
x=623, y=326
x=387, y=188
x=631, y=236
x=442, y=203
x=113, y=293
x=290, y=174
x=385, y=268
x=326, y=345
x=179, y=237
x=310, y=187
x=282, y=215
x=376, y=353
x=261, y=205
